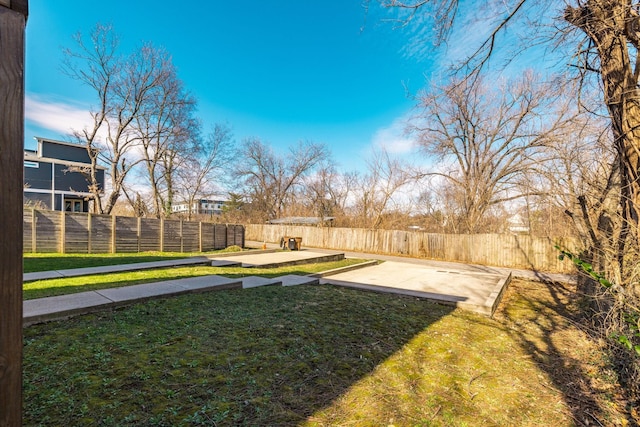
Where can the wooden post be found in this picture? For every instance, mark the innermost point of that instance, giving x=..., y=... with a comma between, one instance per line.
x=181, y=237
x=13, y=19
x=113, y=234
x=161, y=234
x=89, y=232
x=63, y=232
x=34, y=237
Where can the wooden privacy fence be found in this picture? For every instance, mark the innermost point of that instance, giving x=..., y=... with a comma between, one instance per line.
x=67, y=232
x=500, y=250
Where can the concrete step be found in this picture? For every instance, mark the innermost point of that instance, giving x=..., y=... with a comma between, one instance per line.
x=296, y=279
x=256, y=281
x=64, y=306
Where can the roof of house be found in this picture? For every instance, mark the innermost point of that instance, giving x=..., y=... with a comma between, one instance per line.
x=301, y=220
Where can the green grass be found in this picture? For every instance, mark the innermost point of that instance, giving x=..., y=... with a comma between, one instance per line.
x=55, y=261
x=63, y=286
x=311, y=356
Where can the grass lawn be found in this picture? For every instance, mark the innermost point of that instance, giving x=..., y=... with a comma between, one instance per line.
x=63, y=286
x=320, y=356
x=54, y=261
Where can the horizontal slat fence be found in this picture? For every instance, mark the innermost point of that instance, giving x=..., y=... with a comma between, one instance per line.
x=126, y=236
x=149, y=232
x=100, y=236
x=500, y=250
x=67, y=232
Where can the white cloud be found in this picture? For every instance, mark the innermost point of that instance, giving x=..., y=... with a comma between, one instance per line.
x=394, y=138
x=61, y=117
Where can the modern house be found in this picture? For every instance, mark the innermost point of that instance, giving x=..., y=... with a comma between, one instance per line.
x=55, y=176
x=201, y=207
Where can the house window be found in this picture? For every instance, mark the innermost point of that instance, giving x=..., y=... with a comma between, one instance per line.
x=73, y=205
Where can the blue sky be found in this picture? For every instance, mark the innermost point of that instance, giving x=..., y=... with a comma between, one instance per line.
x=280, y=70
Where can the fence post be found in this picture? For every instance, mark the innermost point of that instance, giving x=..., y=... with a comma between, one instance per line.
x=113, y=234
x=161, y=234
x=181, y=237
x=13, y=20
x=139, y=232
x=63, y=231
x=34, y=237
x=89, y=232
x=200, y=236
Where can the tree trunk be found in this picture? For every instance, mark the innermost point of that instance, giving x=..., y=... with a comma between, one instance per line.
x=608, y=23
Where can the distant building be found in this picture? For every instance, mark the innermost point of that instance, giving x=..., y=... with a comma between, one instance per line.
x=201, y=207
x=518, y=225
x=54, y=178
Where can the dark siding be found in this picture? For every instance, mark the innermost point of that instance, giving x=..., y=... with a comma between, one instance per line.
x=57, y=203
x=65, y=152
x=100, y=178
x=39, y=178
x=67, y=180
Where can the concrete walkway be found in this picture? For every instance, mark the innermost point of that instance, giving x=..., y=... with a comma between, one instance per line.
x=272, y=258
x=137, y=266
x=65, y=306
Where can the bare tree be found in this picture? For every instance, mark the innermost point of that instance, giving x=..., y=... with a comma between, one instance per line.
x=202, y=167
x=607, y=51
x=325, y=193
x=487, y=140
x=166, y=127
x=444, y=207
x=123, y=87
x=612, y=51
x=374, y=192
x=582, y=179
x=95, y=64
x=270, y=179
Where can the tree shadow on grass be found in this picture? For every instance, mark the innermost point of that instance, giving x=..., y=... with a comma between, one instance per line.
x=265, y=356
x=557, y=309
x=541, y=316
